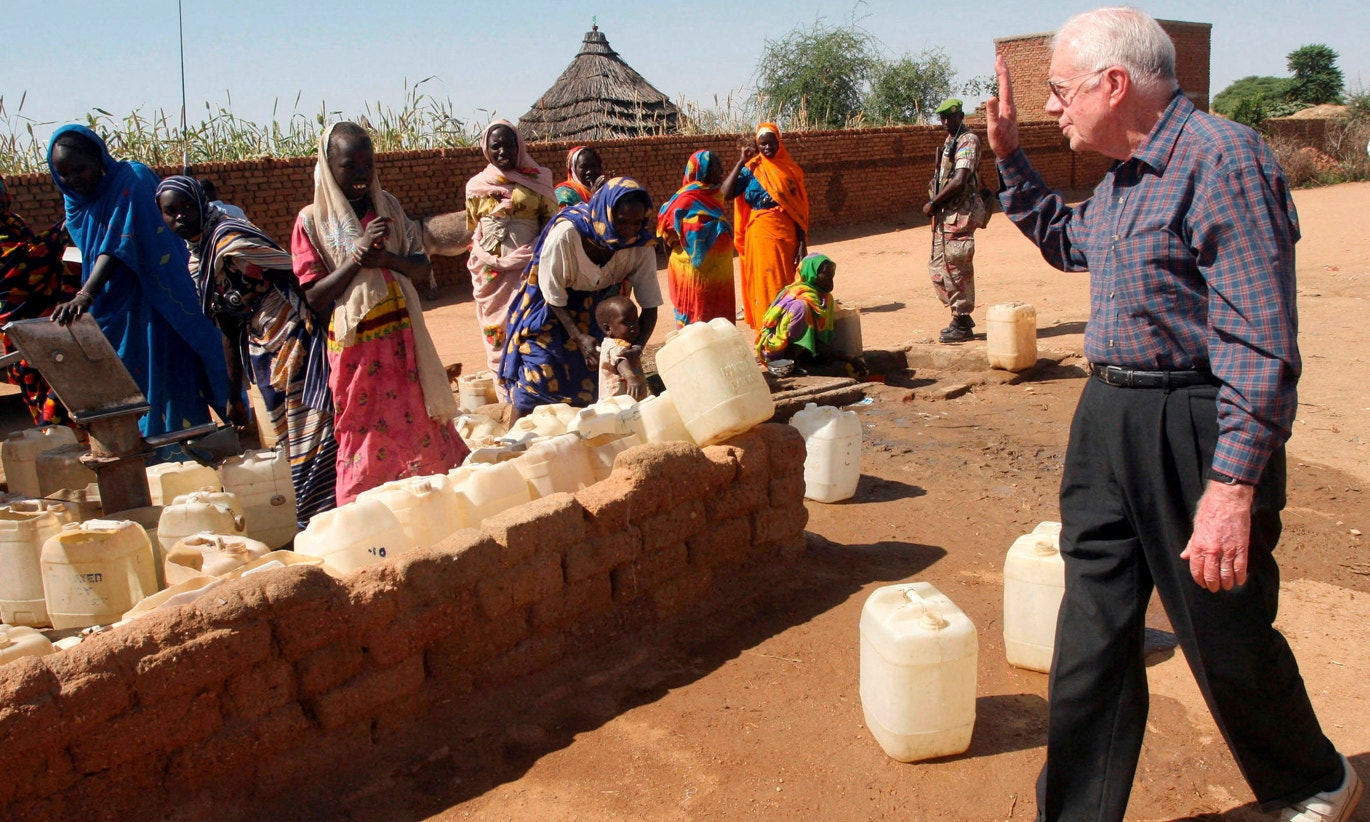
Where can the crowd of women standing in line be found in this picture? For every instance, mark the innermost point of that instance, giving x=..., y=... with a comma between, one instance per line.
x=198, y=303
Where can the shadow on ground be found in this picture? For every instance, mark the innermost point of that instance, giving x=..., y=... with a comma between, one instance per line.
x=463, y=751
x=1061, y=330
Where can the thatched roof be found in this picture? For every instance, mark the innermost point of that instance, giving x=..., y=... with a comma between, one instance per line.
x=599, y=97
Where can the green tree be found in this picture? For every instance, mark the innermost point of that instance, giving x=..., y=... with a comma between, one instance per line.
x=817, y=75
x=908, y=89
x=1317, y=79
x=1249, y=111
x=1265, y=92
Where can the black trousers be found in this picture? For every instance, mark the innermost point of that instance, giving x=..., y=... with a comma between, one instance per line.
x=1135, y=469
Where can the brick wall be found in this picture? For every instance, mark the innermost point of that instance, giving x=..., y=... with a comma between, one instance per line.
x=270, y=680
x=1029, y=58
x=1308, y=131
x=854, y=176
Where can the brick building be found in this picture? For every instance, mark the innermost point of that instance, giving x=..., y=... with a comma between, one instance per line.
x=1029, y=55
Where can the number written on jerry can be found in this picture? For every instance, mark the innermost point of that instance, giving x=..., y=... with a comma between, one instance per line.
x=377, y=551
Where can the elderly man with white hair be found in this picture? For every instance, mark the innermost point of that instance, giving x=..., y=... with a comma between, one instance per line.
x=1175, y=473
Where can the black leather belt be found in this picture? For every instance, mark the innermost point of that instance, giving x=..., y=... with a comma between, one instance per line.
x=1132, y=378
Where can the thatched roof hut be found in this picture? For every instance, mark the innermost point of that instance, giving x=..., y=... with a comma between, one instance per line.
x=599, y=97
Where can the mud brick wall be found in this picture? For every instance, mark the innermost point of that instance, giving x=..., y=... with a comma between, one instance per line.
x=1029, y=59
x=1308, y=131
x=273, y=679
x=854, y=176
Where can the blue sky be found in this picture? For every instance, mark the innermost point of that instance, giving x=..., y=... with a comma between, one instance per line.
x=497, y=58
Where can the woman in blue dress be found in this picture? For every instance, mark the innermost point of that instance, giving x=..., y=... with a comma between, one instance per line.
x=136, y=284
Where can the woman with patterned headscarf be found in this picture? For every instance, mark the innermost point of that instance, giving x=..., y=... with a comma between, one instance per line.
x=33, y=282
x=136, y=284
x=248, y=288
x=507, y=205
x=695, y=226
x=588, y=252
x=356, y=255
x=771, y=224
x=584, y=171
x=799, y=325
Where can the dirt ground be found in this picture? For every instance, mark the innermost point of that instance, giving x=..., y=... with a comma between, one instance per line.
x=752, y=709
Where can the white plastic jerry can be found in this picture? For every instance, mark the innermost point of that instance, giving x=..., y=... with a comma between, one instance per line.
x=95, y=571
x=209, y=555
x=20, y=641
x=425, y=506
x=19, y=453
x=476, y=390
x=1011, y=336
x=605, y=449
x=655, y=419
x=832, y=444
x=847, y=330
x=214, y=512
x=918, y=667
x=555, y=464
x=168, y=480
x=545, y=421
x=61, y=468
x=719, y=390
x=352, y=536
x=478, y=430
x=1034, y=582
x=486, y=489
x=22, y=536
x=261, y=481
x=601, y=418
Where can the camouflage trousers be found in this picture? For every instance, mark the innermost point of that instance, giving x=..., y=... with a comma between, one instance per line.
x=952, y=267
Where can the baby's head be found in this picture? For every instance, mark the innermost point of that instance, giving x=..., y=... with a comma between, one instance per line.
x=617, y=318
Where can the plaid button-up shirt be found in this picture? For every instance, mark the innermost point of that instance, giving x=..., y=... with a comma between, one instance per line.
x=1190, y=248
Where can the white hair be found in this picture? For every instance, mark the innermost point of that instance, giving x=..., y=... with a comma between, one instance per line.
x=1122, y=36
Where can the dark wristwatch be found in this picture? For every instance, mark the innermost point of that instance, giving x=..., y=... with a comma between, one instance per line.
x=1218, y=476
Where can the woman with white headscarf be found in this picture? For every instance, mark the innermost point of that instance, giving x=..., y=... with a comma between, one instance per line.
x=356, y=255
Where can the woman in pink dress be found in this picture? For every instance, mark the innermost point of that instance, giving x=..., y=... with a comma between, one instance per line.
x=356, y=255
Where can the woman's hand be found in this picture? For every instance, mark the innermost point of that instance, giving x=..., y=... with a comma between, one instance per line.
x=749, y=150
x=800, y=252
x=369, y=252
x=589, y=346
x=68, y=312
x=237, y=414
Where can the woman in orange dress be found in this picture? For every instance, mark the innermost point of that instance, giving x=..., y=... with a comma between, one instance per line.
x=771, y=224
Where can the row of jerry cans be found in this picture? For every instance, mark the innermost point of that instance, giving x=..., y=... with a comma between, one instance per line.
x=103, y=572
x=555, y=448
x=262, y=506
x=415, y=512
x=919, y=651
x=719, y=392
x=56, y=571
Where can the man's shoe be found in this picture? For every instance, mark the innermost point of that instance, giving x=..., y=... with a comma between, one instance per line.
x=959, y=330
x=1329, y=806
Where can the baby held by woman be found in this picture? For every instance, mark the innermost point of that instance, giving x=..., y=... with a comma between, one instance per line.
x=620, y=361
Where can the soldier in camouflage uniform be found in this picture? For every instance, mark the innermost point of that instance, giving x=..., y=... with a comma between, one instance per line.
x=956, y=210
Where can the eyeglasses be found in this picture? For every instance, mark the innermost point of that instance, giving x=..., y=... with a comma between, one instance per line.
x=1059, y=87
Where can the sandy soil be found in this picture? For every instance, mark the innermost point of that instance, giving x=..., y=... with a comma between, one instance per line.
x=752, y=709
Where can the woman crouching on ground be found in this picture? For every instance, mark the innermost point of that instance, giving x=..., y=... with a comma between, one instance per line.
x=799, y=324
